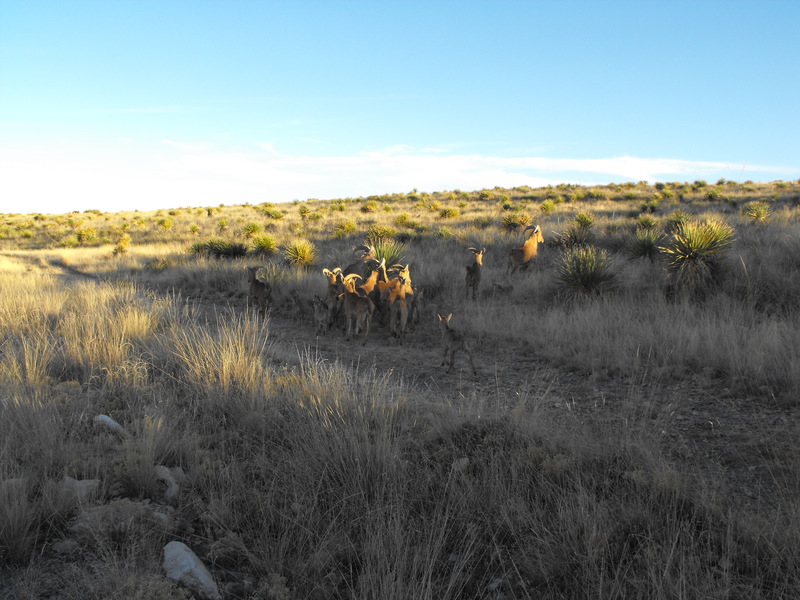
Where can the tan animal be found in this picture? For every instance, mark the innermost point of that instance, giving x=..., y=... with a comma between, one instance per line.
x=398, y=308
x=320, y=315
x=452, y=341
x=473, y=278
x=259, y=292
x=358, y=308
x=332, y=295
x=520, y=258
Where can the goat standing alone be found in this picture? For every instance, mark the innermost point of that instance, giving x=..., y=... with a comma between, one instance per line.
x=474, y=271
x=259, y=292
x=520, y=258
x=453, y=341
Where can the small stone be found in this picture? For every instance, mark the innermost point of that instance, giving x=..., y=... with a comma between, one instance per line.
x=184, y=567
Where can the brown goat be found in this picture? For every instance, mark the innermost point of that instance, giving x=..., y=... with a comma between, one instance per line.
x=259, y=292
x=473, y=278
x=452, y=341
x=358, y=308
x=520, y=258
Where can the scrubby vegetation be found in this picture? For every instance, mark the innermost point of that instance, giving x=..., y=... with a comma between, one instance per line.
x=572, y=466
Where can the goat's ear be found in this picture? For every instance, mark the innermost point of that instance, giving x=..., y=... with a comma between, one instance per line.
x=450, y=316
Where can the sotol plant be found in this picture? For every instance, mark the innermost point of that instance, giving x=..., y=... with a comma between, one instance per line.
x=301, y=253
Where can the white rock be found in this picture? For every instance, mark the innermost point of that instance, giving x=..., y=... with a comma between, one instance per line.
x=107, y=422
x=183, y=566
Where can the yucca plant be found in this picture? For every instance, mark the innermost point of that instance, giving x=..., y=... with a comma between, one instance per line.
x=575, y=236
x=645, y=243
x=585, y=271
x=264, y=244
x=515, y=220
x=301, y=253
x=389, y=249
x=757, y=212
x=693, y=254
x=584, y=219
x=676, y=220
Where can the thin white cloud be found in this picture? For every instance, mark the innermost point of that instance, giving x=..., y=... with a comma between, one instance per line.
x=60, y=179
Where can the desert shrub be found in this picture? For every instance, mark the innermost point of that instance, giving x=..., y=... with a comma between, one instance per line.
x=483, y=222
x=264, y=244
x=645, y=243
x=547, y=206
x=693, y=253
x=574, y=236
x=165, y=223
x=444, y=233
x=390, y=250
x=647, y=221
x=251, y=229
x=584, y=219
x=273, y=213
x=713, y=194
x=449, y=213
x=194, y=229
x=514, y=221
x=584, y=271
x=757, y=212
x=676, y=220
x=301, y=253
x=344, y=229
x=370, y=206
x=380, y=232
x=122, y=245
x=217, y=248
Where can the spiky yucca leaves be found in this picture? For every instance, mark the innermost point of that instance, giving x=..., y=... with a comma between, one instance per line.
x=757, y=212
x=644, y=243
x=301, y=253
x=693, y=254
x=584, y=219
x=264, y=244
x=389, y=249
x=585, y=271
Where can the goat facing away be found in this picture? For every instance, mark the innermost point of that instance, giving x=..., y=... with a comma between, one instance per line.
x=362, y=265
x=452, y=341
x=259, y=292
x=398, y=307
x=358, y=308
x=520, y=258
x=332, y=293
x=473, y=278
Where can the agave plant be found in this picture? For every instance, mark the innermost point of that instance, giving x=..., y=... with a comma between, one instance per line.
x=585, y=271
x=693, y=254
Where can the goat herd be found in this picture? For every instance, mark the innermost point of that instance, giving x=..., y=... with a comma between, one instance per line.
x=368, y=286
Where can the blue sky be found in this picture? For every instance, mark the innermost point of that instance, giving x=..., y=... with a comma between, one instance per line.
x=146, y=104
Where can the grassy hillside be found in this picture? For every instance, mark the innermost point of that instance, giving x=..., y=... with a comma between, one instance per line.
x=631, y=431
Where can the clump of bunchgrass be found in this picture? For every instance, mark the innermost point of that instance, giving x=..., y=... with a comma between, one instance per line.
x=694, y=252
x=301, y=253
x=584, y=271
x=515, y=220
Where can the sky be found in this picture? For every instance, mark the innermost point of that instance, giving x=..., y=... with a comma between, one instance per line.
x=121, y=105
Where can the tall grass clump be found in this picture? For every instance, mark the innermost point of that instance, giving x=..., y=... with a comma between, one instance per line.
x=693, y=254
x=584, y=272
x=219, y=248
x=265, y=245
